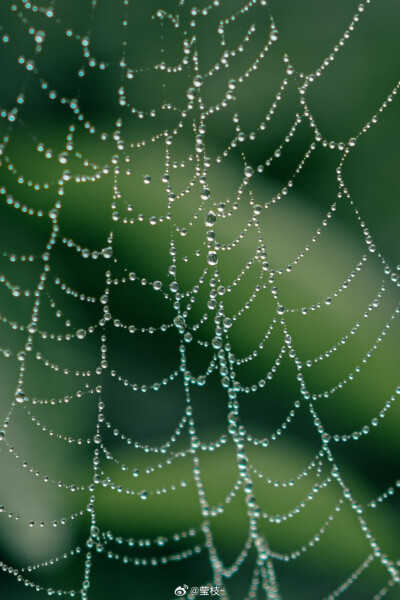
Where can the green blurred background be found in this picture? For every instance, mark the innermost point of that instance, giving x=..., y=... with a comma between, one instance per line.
x=345, y=97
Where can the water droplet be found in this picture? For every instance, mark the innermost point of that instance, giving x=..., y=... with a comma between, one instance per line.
x=39, y=37
x=248, y=172
x=63, y=158
x=147, y=179
x=198, y=81
x=191, y=93
x=205, y=194
x=210, y=219
x=80, y=334
x=107, y=252
x=179, y=322
x=20, y=397
x=212, y=258
x=216, y=343
x=280, y=310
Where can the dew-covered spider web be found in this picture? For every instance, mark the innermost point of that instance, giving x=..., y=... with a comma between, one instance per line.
x=199, y=299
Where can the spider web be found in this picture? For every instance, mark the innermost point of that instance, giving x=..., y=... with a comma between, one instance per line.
x=183, y=331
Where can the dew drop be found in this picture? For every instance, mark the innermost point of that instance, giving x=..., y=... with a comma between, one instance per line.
x=205, y=194
x=107, y=252
x=210, y=219
x=227, y=323
x=20, y=397
x=191, y=93
x=198, y=81
x=39, y=37
x=32, y=328
x=63, y=158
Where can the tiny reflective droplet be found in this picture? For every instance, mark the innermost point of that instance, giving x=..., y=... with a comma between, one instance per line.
x=20, y=397
x=210, y=219
x=63, y=158
x=198, y=81
x=205, y=194
x=191, y=93
x=227, y=323
x=40, y=37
